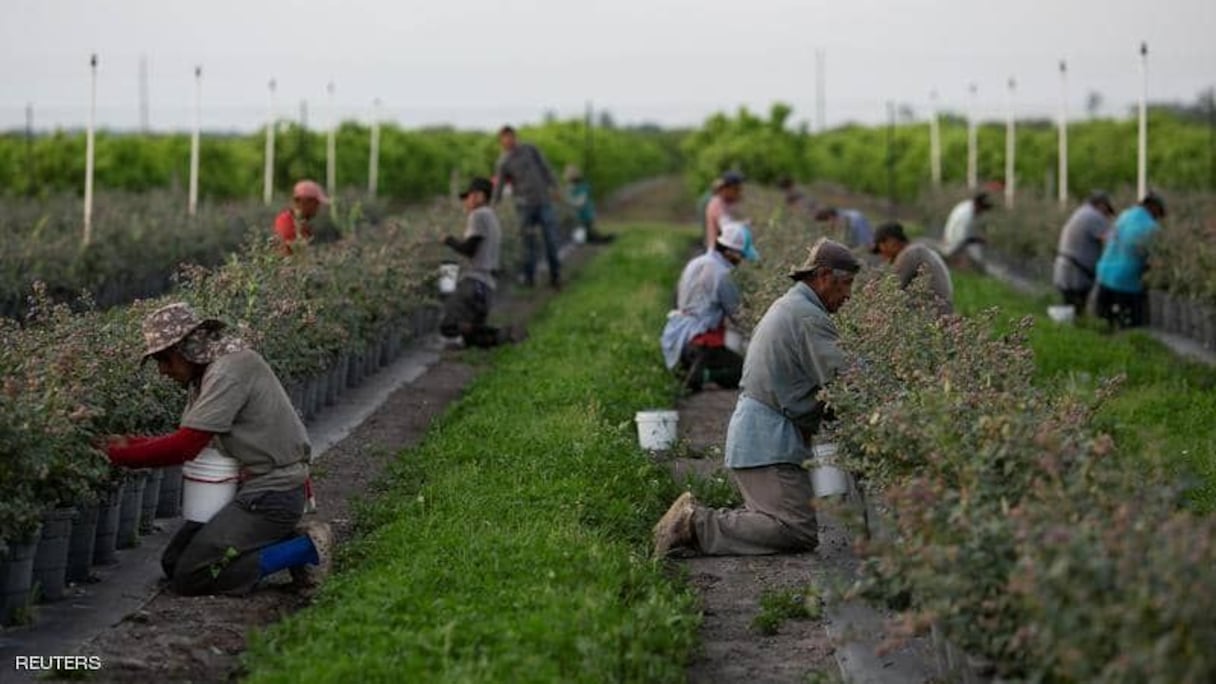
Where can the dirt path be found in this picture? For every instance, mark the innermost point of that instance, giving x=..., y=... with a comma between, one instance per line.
x=200, y=639
x=730, y=588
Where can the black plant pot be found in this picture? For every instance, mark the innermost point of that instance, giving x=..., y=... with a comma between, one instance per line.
x=151, y=500
x=169, y=503
x=16, y=579
x=51, y=561
x=81, y=543
x=109, y=511
x=128, y=515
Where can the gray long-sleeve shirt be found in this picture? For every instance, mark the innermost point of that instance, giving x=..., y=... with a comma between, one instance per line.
x=1079, y=247
x=793, y=352
x=526, y=169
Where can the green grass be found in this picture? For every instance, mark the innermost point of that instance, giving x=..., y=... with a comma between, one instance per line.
x=1166, y=408
x=789, y=604
x=513, y=544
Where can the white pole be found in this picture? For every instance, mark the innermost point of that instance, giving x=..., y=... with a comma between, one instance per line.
x=330, y=145
x=192, y=208
x=1010, y=147
x=1063, y=135
x=88, y=153
x=1142, y=156
x=935, y=143
x=972, y=143
x=373, y=164
x=268, y=179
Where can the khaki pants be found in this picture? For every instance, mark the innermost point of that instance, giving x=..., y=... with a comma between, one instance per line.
x=777, y=515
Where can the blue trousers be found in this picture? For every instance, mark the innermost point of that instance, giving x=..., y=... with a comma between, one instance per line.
x=533, y=219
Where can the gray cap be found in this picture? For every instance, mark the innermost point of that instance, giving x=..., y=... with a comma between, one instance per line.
x=827, y=253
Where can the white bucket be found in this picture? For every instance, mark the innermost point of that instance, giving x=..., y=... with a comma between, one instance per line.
x=1062, y=314
x=208, y=484
x=579, y=235
x=657, y=430
x=826, y=478
x=447, y=278
x=736, y=341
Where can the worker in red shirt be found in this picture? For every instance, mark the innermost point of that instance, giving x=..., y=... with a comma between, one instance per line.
x=306, y=200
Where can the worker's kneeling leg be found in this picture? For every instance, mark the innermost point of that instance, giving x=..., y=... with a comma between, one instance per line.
x=223, y=556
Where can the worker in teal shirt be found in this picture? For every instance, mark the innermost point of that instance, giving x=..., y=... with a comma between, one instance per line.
x=1121, y=296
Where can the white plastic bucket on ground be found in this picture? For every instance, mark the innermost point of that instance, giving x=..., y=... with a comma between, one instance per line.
x=447, y=278
x=657, y=430
x=1062, y=314
x=826, y=478
x=736, y=341
x=208, y=484
x=579, y=235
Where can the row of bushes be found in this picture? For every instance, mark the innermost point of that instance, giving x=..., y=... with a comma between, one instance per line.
x=878, y=160
x=414, y=164
x=1011, y=522
x=71, y=376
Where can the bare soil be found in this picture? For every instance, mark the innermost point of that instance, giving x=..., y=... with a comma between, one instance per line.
x=732, y=650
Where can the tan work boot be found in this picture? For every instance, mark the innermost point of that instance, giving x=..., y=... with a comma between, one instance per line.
x=674, y=529
x=308, y=578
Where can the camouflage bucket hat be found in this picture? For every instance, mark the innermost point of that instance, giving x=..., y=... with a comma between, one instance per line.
x=170, y=325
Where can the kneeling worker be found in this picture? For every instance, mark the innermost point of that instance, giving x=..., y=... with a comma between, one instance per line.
x=793, y=353
x=694, y=339
x=468, y=308
x=907, y=259
x=235, y=403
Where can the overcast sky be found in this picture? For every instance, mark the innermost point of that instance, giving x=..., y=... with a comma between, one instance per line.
x=479, y=63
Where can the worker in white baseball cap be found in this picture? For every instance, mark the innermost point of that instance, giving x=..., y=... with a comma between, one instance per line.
x=694, y=339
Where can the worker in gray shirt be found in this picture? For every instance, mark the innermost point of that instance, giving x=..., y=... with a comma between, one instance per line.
x=1079, y=247
x=533, y=186
x=466, y=310
x=792, y=355
x=910, y=260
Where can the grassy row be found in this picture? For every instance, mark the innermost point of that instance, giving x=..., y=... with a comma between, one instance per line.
x=1166, y=406
x=512, y=544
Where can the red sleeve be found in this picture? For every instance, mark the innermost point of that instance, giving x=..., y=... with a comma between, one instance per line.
x=150, y=452
x=285, y=226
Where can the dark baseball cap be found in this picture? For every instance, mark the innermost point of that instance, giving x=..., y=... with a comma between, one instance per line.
x=1100, y=198
x=732, y=178
x=1154, y=198
x=888, y=231
x=982, y=199
x=478, y=184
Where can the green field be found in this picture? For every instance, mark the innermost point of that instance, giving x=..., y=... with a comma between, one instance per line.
x=512, y=545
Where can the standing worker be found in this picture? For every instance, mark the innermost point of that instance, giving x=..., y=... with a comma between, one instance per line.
x=793, y=354
x=723, y=206
x=1121, y=296
x=694, y=339
x=962, y=229
x=295, y=222
x=533, y=187
x=1078, y=250
x=908, y=260
x=849, y=226
x=468, y=308
x=578, y=196
x=236, y=404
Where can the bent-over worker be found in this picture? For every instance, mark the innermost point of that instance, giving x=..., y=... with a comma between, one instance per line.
x=236, y=405
x=694, y=338
x=793, y=354
x=908, y=260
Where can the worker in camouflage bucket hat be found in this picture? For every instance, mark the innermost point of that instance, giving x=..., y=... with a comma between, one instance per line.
x=236, y=405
